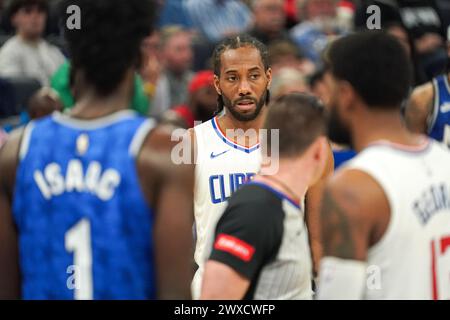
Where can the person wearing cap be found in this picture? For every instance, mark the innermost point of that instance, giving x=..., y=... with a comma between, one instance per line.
x=202, y=102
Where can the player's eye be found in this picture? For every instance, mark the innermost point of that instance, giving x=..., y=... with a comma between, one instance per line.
x=254, y=76
x=231, y=78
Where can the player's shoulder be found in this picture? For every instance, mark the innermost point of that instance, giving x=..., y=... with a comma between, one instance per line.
x=9, y=158
x=158, y=145
x=255, y=199
x=255, y=208
x=158, y=153
x=203, y=125
x=252, y=193
x=359, y=200
x=355, y=187
x=422, y=96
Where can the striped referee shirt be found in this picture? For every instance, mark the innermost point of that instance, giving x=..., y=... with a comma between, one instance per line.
x=262, y=236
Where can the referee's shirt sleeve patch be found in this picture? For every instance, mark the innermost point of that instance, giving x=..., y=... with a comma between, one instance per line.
x=234, y=246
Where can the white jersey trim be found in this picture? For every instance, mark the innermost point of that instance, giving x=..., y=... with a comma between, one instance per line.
x=25, y=144
x=433, y=116
x=140, y=136
x=94, y=123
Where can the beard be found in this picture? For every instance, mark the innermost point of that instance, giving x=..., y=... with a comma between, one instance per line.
x=337, y=130
x=245, y=117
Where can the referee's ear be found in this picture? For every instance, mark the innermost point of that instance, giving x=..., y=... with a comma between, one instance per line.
x=319, y=154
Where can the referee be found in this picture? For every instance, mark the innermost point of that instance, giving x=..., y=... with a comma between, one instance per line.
x=260, y=248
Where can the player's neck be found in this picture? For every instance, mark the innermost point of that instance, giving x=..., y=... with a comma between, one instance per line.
x=97, y=108
x=90, y=105
x=294, y=185
x=383, y=125
x=227, y=121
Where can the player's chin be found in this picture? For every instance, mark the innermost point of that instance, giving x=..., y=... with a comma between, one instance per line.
x=248, y=116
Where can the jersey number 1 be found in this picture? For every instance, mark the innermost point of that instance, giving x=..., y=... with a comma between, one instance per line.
x=440, y=260
x=78, y=241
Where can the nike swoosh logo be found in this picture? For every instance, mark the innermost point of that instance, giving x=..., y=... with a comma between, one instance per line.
x=219, y=154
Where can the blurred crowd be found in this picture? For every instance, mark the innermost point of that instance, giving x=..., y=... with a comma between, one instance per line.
x=174, y=81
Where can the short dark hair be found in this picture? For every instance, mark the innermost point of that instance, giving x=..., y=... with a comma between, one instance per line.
x=15, y=5
x=375, y=64
x=109, y=40
x=236, y=42
x=301, y=119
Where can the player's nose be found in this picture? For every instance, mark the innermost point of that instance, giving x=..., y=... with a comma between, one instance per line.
x=244, y=88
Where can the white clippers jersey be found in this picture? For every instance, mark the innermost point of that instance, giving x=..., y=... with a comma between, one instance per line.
x=221, y=167
x=412, y=259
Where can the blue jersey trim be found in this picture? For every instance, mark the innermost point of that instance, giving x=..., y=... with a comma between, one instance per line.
x=228, y=141
x=280, y=194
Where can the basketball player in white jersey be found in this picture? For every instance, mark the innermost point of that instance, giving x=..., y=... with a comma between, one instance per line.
x=386, y=214
x=225, y=157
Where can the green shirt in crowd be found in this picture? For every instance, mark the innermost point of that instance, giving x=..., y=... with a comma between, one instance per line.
x=60, y=83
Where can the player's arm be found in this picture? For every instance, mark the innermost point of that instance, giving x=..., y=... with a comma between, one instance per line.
x=222, y=282
x=354, y=216
x=313, y=200
x=246, y=237
x=419, y=108
x=169, y=189
x=9, y=252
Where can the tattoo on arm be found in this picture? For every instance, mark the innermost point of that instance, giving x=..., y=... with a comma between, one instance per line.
x=336, y=229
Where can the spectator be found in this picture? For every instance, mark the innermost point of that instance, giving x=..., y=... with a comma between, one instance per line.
x=27, y=54
x=171, y=89
x=217, y=19
x=397, y=30
x=60, y=82
x=288, y=80
x=318, y=26
x=422, y=20
x=290, y=8
x=202, y=102
x=269, y=21
x=173, y=12
x=151, y=62
x=285, y=54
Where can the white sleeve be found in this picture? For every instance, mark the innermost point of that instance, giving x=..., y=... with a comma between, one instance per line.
x=10, y=62
x=341, y=279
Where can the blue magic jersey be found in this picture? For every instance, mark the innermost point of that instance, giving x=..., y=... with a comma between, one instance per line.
x=439, y=127
x=84, y=226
